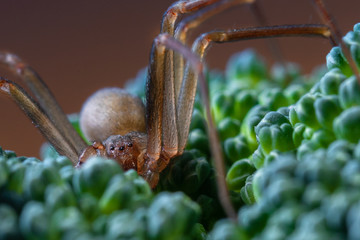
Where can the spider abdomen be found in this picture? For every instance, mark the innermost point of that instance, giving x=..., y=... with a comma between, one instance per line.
x=111, y=111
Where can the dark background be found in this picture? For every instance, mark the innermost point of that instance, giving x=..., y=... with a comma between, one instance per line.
x=80, y=46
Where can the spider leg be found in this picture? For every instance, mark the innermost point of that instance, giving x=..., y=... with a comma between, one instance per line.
x=169, y=135
x=165, y=40
x=39, y=119
x=45, y=99
x=154, y=101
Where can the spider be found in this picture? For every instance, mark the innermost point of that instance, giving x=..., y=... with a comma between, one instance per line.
x=140, y=137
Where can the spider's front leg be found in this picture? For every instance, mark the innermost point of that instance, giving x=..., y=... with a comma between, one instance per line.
x=162, y=139
x=163, y=136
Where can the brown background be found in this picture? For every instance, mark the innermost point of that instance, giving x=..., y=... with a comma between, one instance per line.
x=80, y=46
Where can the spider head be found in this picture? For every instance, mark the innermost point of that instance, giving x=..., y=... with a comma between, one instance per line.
x=126, y=149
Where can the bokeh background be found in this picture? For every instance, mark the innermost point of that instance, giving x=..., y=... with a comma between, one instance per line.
x=81, y=46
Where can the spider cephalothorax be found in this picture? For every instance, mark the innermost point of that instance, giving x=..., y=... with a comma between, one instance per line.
x=170, y=93
x=125, y=149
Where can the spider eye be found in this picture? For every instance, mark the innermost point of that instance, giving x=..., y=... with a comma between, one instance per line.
x=121, y=148
x=130, y=145
x=112, y=148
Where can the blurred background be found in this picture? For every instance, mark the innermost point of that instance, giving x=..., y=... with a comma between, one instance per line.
x=78, y=47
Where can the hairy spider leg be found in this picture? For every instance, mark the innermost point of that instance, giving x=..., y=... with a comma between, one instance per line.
x=172, y=70
x=39, y=118
x=44, y=98
x=166, y=41
x=161, y=77
x=169, y=19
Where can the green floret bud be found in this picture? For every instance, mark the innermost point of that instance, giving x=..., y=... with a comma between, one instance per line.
x=312, y=225
x=228, y=128
x=238, y=173
x=244, y=101
x=247, y=68
x=330, y=82
x=127, y=225
x=253, y=218
x=327, y=108
x=307, y=147
x=349, y=93
x=198, y=232
x=314, y=194
x=298, y=134
x=285, y=73
x=10, y=154
x=258, y=158
x=294, y=92
x=314, y=168
x=124, y=193
x=337, y=206
x=276, y=138
x=346, y=126
x=94, y=175
x=284, y=111
x=252, y=118
x=293, y=117
x=340, y=152
x=352, y=41
x=305, y=111
x=4, y=172
x=236, y=148
x=282, y=188
x=284, y=163
x=323, y=137
x=336, y=59
x=198, y=121
x=16, y=177
x=89, y=206
x=8, y=224
x=171, y=216
x=273, y=98
x=270, y=119
x=350, y=174
x=198, y=140
x=48, y=151
x=282, y=222
x=186, y=173
x=34, y=221
x=274, y=132
x=247, y=191
x=67, y=222
x=227, y=230
x=67, y=173
x=222, y=105
x=58, y=197
x=353, y=221
x=37, y=178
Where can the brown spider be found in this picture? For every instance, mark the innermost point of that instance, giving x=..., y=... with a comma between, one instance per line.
x=145, y=138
